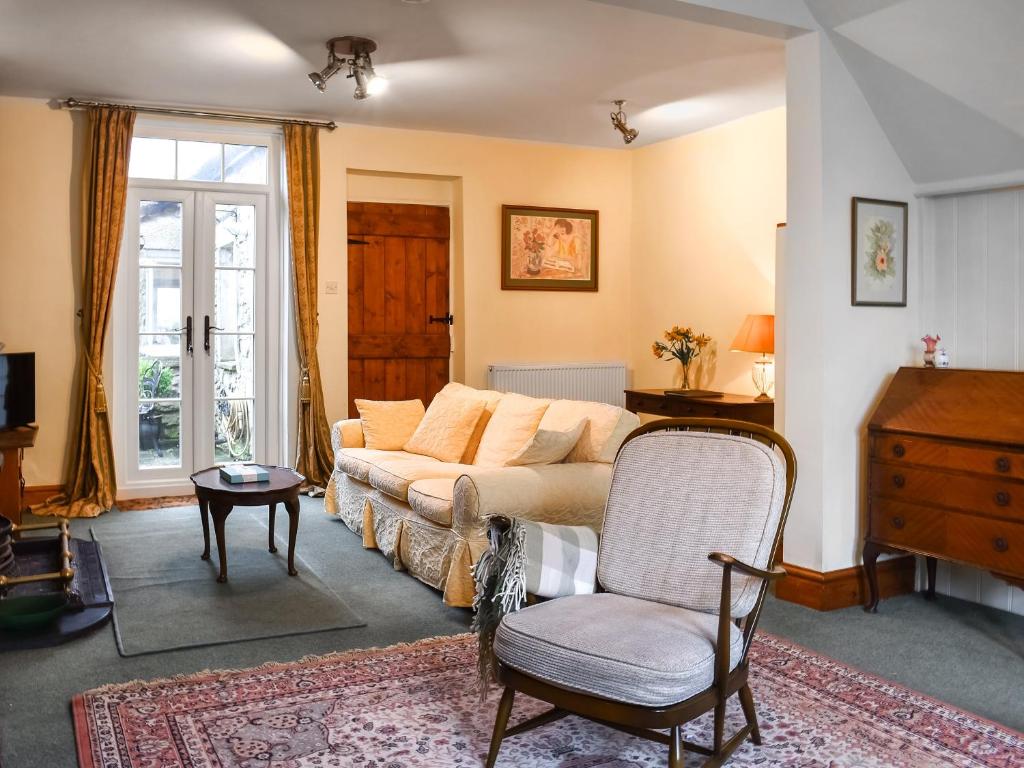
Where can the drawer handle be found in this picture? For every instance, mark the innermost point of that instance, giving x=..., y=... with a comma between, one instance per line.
x=899, y=481
x=1000, y=544
x=898, y=450
x=898, y=523
x=1002, y=498
x=1002, y=464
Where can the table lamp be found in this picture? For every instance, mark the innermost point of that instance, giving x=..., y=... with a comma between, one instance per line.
x=757, y=334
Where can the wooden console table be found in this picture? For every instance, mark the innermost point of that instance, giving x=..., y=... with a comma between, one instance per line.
x=13, y=443
x=740, y=407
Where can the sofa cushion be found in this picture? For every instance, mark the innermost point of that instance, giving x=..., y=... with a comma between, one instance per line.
x=446, y=428
x=388, y=424
x=548, y=446
x=393, y=476
x=607, y=426
x=617, y=647
x=490, y=399
x=433, y=499
x=510, y=428
x=357, y=462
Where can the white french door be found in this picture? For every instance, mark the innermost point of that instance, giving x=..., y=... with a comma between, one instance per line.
x=194, y=341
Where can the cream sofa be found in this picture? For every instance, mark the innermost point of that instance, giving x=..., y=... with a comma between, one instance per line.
x=430, y=517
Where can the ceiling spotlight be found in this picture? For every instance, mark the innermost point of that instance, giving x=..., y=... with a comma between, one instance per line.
x=354, y=53
x=619, y=123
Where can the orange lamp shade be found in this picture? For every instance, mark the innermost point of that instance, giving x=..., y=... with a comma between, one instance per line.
x=757, y=334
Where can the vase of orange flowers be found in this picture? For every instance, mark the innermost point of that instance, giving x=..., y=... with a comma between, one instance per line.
x=682, y=344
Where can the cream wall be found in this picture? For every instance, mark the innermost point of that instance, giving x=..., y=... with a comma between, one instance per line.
x=39, y=250
x=491, y=325
x=705, y=211
x=39, y=265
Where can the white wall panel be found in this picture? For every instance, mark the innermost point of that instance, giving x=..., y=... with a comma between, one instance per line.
x=974, y=283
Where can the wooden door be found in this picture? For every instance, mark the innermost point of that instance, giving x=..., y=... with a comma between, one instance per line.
x=397, y=282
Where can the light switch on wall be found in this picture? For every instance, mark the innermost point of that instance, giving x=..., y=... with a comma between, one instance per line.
x=331, y=286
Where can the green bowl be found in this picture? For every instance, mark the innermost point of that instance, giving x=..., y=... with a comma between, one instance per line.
x=22, y=613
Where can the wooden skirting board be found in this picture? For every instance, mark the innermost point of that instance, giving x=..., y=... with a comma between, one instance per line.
x=844, y=588
x=37, y=494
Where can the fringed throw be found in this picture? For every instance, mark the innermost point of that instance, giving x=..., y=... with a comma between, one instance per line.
x=525, y=557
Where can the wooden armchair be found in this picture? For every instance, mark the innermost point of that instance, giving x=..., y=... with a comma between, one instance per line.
x=666, y=638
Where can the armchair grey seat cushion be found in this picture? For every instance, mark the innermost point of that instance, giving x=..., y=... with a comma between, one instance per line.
x=615, y=647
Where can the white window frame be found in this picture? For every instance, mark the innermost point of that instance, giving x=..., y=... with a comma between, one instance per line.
x=276, y=307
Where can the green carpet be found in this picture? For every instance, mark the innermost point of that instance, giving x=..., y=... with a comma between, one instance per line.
x=965, y=654
x=167, y=598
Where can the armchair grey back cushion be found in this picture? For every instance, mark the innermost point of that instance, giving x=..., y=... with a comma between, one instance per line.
x=675, y=498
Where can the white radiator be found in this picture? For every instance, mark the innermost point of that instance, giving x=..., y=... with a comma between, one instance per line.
x=599, y=382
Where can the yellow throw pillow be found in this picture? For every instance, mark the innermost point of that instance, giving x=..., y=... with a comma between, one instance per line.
x=446, y=428
x=388, y=424
x=490, y=399
x=607, y=426
x=548, y=446
x=512, y=425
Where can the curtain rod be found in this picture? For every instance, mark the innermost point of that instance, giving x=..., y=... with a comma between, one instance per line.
x=73, y=103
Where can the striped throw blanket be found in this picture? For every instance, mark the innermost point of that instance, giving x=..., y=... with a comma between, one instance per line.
x=525, y=557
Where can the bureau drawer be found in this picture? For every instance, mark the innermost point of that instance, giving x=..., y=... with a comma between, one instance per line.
x=992, y=544
x=899, y=524
x=935, y=453
x=1002, y=498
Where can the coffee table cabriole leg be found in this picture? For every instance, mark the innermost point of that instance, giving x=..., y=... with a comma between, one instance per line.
x=273, y=513
x=292, y=505
x=204, y=514
x=220, y=512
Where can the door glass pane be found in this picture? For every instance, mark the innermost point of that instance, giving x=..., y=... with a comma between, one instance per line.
x=159, y=434
x=152, y=159
x=233, y=366
x=159, y=367
x=159, y=299
x=199, y=161
x=245, y=164
x=233, y=430
x=233, y=299
x=160, y=233
x=235, y=235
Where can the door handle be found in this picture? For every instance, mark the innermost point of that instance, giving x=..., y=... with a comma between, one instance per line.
x=448, y=319
x=206, y=332
x=188, y=334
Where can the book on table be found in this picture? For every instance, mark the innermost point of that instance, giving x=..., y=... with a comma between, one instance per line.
x=244, y=473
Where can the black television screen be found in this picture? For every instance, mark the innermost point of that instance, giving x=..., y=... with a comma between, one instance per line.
x=17, y=389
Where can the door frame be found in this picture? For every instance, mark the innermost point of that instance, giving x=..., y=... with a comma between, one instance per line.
x=276, y=298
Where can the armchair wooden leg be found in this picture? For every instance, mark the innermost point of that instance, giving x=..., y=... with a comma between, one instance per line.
x=750, y=713
x=675, y=747
x=500, y=723
x=719, y=726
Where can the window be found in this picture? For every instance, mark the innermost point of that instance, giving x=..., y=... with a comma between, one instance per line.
x=204, y=161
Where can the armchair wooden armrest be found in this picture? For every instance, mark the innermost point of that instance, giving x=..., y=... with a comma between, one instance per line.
x=776, y=571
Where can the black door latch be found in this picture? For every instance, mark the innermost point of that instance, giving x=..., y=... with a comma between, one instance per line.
x=448, y=319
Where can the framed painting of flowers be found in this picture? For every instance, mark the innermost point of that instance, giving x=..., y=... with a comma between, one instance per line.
x=548, y=249
x=879, y=257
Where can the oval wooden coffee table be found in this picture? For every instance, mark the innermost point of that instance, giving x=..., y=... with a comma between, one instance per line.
x=217, y=497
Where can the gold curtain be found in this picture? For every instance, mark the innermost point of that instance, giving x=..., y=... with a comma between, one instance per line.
x=91, y=486
x=302, y=158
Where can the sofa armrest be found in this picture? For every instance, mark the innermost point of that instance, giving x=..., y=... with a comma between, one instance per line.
x=565, y=494
x=347, y=433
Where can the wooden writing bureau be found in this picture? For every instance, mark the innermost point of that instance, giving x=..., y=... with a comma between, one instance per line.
x=946, y=472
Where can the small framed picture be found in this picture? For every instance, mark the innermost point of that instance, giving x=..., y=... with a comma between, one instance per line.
x=548, y=249
x=879, y=257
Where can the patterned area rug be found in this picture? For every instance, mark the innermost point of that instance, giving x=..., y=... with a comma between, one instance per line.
x=415, y=705
x=155, y=502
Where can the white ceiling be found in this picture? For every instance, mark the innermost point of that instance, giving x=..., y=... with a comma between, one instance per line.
x=530, y=69
x=942, y=77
